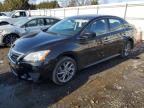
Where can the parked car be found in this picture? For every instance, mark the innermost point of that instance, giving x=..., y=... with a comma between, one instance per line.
x=70, y=45
x=25, y=26
x=11, y=17
x=2, y=14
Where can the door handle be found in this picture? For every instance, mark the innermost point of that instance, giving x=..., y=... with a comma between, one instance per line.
x=123, y=34
x=105, y=38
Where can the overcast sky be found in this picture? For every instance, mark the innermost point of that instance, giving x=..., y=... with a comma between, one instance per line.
x=100, y=1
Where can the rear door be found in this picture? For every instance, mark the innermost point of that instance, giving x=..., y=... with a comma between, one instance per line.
x=41, y=24
x=100, y=27
x=117, y=32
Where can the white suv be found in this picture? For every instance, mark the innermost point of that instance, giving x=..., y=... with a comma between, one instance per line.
x=11, y=17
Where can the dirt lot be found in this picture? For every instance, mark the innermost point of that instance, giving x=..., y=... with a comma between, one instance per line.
x=117, y=83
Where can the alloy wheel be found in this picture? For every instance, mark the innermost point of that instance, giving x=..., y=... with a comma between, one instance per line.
x=66, y=71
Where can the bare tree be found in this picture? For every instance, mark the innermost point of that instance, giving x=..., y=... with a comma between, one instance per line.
x=73, y=3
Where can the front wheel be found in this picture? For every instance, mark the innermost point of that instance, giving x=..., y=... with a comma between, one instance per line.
x=127, y=49
x=64, y=70
x=10, y=39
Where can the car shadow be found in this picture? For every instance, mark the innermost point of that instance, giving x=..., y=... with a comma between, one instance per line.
x=15, y=92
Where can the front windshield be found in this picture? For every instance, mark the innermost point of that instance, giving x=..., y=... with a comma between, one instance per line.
x=21, y=21
x=10, y=13
x=69, y=26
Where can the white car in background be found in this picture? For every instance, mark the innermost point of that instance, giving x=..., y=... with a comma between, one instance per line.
x=11, y=17
x=25, y=26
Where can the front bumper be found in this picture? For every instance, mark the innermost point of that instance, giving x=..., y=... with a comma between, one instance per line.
x=25, y=71
x=31, y=72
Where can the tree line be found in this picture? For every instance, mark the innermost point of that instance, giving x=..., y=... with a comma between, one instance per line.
x=9, y=5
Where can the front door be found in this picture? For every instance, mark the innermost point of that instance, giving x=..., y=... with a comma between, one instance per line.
x=94, y=49
x=32, y=27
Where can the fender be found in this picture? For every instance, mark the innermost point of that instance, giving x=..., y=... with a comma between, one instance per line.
x=127, y=38
x=10, y=34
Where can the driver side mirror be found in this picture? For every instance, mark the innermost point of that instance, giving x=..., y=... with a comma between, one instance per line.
x=87, y=36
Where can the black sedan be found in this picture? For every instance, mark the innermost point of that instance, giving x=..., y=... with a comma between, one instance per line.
x=70, y=45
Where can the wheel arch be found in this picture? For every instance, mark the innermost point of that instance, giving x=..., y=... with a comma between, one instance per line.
x=4, y=22
x=11, y=34
x=69, y=54
x=130, y=40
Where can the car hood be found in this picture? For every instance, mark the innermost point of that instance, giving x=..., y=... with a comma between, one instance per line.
x=4, y=17
x=10, y=29
x=36, y=42
x=5, y=27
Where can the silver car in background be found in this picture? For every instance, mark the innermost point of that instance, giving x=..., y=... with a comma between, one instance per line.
x=25, y=26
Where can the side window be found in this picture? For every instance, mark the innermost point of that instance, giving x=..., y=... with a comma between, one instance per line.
x=19, y=14
x=99, y=27
x=32, y=23
x=41, y=22
x=115, y=24
x=23, y=14
x=51, y=21
x=16, y=15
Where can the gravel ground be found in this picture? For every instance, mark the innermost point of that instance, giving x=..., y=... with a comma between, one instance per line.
x=117, y=83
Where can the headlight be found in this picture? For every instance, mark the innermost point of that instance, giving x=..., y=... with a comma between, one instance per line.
x=2, y=31
x=37, y=57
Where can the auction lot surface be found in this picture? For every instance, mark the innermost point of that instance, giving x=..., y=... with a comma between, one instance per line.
x=117, y=83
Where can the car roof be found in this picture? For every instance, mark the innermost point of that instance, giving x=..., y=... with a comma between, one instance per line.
x=35, y=17
x=93, y=16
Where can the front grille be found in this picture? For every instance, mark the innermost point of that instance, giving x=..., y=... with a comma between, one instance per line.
x=14, y=55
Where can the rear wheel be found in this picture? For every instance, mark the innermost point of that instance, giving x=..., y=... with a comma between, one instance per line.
x=64, y=70
x=10, y=39
x=127, y=49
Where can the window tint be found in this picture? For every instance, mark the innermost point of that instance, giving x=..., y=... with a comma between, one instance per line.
x=22, y=14
x=51, y=21
x=32, y=23
x=115, y=24
x=41, y=22
x=99, y=27
x=16, y=15
x=19, y=14
x=69, y=26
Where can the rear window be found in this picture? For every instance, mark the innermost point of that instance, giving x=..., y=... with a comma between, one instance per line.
x=50, y=21
x=23, y=14
x=116, y=24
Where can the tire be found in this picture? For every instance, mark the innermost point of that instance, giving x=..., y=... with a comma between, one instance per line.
x=3, y=23
x=10, y=39
x=64, y=70
x=127, y=49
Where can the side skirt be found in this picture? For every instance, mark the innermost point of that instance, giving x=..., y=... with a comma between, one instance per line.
x=100, y=61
